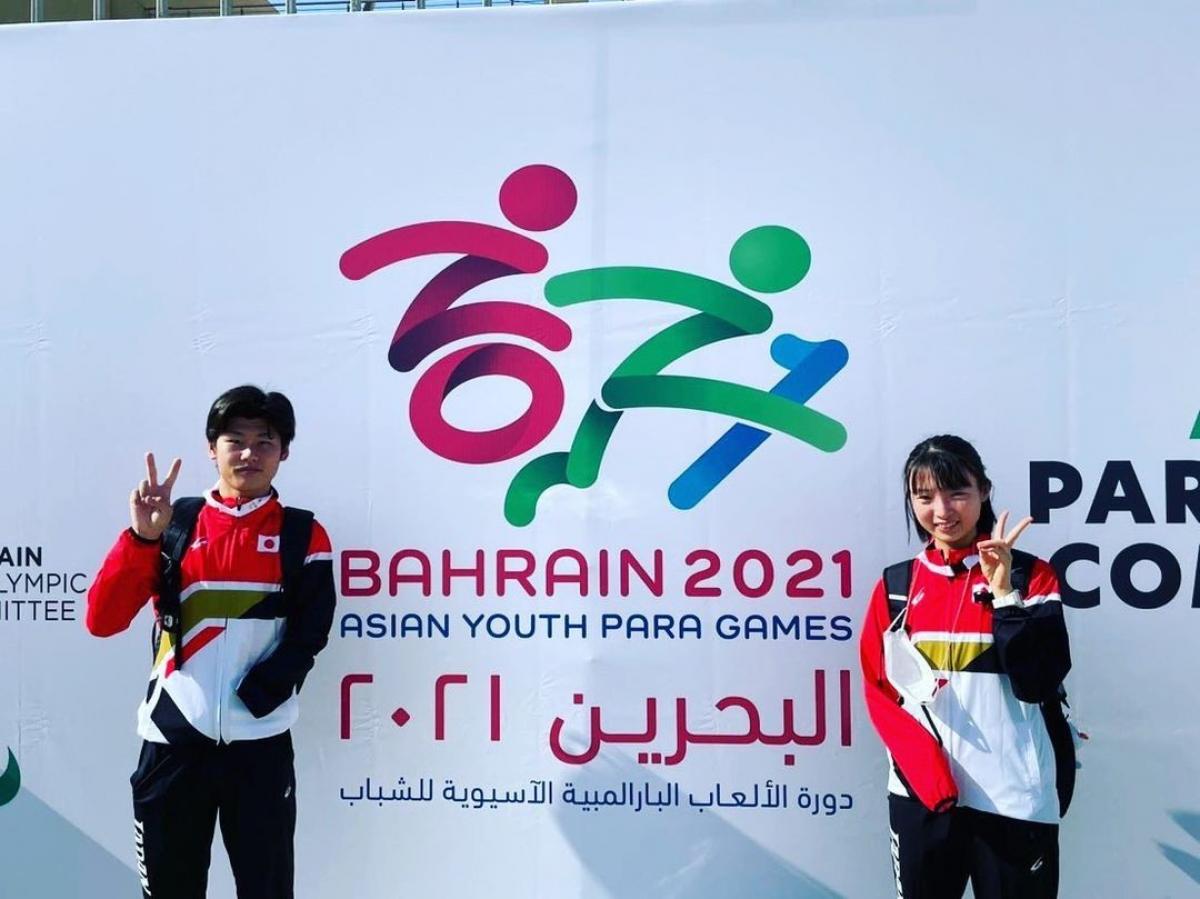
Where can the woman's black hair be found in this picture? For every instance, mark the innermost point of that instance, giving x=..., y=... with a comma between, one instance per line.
x=249, y=401
x=952, y=463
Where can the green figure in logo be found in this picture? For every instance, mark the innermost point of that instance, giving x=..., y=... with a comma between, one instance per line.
x=10, y=780
x=769, y=259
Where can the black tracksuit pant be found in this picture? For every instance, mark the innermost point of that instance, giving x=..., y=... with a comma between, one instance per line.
x=180, y=792
x=935, y=853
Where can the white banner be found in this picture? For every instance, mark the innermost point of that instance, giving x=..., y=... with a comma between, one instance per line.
x=579, y=545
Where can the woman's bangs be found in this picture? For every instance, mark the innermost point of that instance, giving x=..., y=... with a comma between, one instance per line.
x=946, y=470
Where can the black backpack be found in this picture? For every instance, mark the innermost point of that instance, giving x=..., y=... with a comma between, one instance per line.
x=294, y=538
x=898, y=578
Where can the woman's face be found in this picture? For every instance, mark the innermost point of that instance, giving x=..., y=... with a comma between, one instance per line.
x=948, y=515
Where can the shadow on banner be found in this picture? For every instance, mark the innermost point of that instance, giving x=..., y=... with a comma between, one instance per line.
x=1187, y=862
x=44, y=854
x=697, y=857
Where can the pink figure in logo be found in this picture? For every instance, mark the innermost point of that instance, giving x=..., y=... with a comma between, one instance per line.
x=534, y=198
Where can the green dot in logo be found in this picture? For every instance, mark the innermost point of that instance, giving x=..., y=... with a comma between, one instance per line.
x=770, y=259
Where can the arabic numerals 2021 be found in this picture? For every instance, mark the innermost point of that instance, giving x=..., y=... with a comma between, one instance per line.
x=754, y=574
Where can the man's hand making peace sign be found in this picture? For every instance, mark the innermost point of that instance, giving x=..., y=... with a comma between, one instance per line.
x=995, y=555
x=150, y=502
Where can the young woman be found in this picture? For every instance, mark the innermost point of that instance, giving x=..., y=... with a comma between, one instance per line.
x=964, y=651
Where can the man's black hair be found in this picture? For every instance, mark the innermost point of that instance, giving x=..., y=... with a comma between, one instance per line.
x=249, y=401
x=952, y=463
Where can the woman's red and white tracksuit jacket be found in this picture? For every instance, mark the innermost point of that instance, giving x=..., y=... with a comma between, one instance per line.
x=994, y=738
x=246, y=646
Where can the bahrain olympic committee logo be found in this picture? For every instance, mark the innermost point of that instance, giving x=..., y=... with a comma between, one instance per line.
x=767, y=260
x=10, y=780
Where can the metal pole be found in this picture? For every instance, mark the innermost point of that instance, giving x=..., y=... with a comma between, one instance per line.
x=37, y=11
x=225, y=8
x=99, y=9
x=355, y=5
x=162, y=8
x=290, y=9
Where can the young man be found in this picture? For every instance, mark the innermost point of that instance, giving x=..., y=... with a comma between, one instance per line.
x=233, y=643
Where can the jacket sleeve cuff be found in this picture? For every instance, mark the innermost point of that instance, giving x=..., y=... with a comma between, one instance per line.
x=133, y=539
x=1013, y=598
x=258, y=698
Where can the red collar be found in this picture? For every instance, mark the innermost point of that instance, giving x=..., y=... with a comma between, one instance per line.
x=954, y=556
x=953, y=563
x=238, y=507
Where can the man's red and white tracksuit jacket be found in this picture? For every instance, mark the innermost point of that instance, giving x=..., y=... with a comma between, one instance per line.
x=246, y=646
x=994, y=738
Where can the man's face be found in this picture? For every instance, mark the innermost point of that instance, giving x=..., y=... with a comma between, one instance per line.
x=247, y=453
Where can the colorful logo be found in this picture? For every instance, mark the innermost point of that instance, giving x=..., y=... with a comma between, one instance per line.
x=10, y=780
x=770, y=259
x=536, y=198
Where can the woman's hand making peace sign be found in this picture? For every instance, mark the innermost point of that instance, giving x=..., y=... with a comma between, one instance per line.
x=995, y=555
x=150, y=502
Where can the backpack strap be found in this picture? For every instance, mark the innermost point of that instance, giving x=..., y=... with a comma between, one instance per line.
x=1022, y=570
x=294, y=538
x=896, y=580
x=175, y=540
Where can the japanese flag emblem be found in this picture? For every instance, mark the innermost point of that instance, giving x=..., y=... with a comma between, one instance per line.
x=268, y=544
